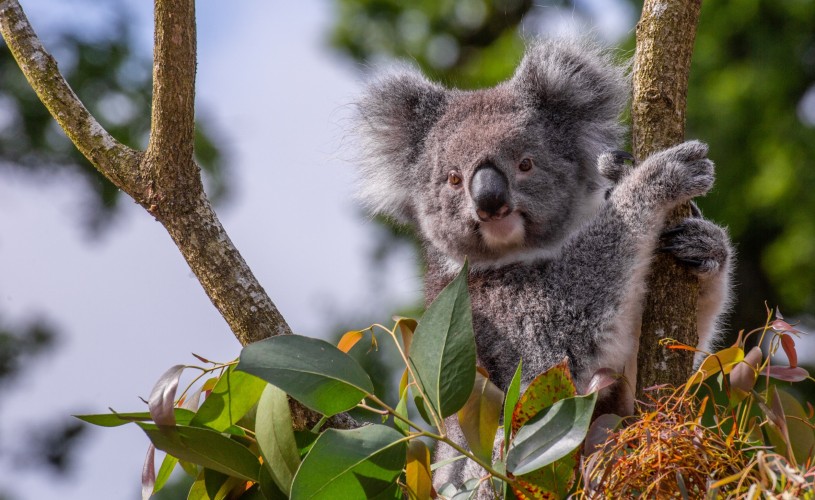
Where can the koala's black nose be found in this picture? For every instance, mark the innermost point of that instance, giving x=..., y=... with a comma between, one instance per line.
x=490, y=191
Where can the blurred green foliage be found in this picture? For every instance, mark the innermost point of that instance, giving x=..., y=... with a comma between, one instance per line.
x=112, y=76
x=751, y=98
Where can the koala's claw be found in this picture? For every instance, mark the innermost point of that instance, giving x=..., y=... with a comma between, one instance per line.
x=699, y=244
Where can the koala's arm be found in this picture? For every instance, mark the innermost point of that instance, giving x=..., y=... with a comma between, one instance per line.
x=697, y=244
x=705, y=249
x=602, y=269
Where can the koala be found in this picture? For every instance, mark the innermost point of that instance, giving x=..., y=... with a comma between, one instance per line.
x=558, y=232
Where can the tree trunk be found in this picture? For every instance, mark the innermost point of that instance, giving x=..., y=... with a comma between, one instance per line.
x=665, y=36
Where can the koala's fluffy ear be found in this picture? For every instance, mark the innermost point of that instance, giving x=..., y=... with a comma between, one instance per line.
x=577, y=82
x=394, y=117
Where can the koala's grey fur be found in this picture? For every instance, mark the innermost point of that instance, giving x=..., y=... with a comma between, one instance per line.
x=563, y=272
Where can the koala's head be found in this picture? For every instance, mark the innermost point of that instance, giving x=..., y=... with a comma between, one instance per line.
x=496, y=172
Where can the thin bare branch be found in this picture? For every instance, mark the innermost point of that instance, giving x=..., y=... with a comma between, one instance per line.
x=174, y=57
x=665, y=36
x=117, y=161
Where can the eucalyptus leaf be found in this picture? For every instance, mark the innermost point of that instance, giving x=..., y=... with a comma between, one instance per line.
x=205, y=447
x=357, y=463
x=234, y=394
x=312, y=371
x=510, y=400
x=551, y=434
x=182, y=417
x=442, y=352
x=275, y=437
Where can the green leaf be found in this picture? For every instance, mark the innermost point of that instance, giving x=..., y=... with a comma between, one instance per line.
x=551, y=435
x=510, y=400
x=182, y=417
x=552, y=385
x=357, y=463
x=442, y=352
x=164, y=472
x=402, y=410
x=205, y=447
x=312, y=371
x=478, y=418
x=275, y=437
x=268, y=487
x=802, y=437
x=230, y=399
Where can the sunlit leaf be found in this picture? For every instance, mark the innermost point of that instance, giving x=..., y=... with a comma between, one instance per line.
x=162, y=398
x=551, y=434
x=164, y=472
x=205, y=447
x=478, y=418
x=550, y=386
x=442, y=352
x=417, y=470
x=148, y=473
x=357, y=463
x=722, y=361
x=350, y=339
x=312, y=371
x=234, y=394
x=402, y=410
x=275, y=437
x=182, y=417
x=786, y=373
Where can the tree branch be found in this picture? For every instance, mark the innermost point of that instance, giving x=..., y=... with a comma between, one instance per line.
x=165, y=181
x=665, y=37
x=174, y=57
x=117, y=161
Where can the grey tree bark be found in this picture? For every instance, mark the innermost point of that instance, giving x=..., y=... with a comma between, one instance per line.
x=665, y=36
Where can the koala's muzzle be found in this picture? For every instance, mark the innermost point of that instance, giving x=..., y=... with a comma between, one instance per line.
x=489, y=189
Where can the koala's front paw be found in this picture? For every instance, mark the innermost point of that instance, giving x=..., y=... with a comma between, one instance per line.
x=699, y=244
x=681, y=172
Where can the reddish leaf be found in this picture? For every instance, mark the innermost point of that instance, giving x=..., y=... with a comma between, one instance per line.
x=148, y=473
x=788, y=344
x=602, y=378
x=599, y=431
x=782, y=326
x=162, y=397
x=406, y=327
x=550, y=386
x=201, y=358
x=786, y=373
x=743, y=377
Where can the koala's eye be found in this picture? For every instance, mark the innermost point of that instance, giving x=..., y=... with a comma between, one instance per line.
x=525, y=165
x=454, y=178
